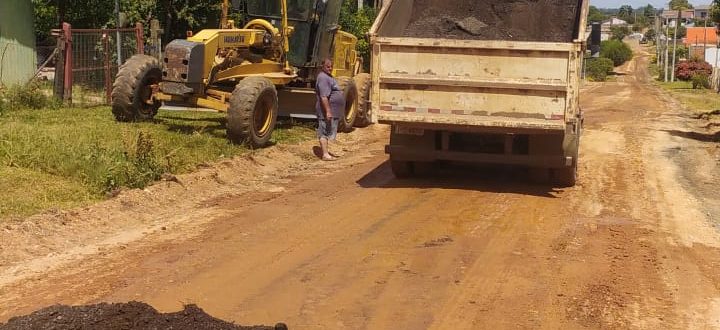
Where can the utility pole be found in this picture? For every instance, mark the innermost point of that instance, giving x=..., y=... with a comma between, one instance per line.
x=705, y=40
x=667, y=46
x=117, y=33
x=672, y=73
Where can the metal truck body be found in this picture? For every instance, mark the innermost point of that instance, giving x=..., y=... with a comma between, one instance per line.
x=490, y=101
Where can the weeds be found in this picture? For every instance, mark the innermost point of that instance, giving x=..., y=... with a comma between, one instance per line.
x=28, y=96
x=89, y=153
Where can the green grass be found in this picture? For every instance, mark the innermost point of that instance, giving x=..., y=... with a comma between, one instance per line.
x=69, y=157
x=698, y=101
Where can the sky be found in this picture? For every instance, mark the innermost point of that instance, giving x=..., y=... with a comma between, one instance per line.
x=640, y=3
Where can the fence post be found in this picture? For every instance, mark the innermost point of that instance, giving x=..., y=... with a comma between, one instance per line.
x=108, y=70
x=139, y=36
x=67, y=91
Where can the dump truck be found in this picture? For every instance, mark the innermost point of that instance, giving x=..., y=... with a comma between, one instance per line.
x=480, y=81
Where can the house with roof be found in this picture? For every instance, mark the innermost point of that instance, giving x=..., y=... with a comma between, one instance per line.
x=671, y=16
x=702, y=11
x=17, y=42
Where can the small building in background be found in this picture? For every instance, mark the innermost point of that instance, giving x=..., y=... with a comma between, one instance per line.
x=701, y=11
x=17, y=42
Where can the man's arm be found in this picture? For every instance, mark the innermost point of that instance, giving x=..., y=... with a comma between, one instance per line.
x=325, y=102
x=324, y=91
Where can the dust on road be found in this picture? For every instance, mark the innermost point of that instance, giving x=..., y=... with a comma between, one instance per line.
x=634, y=245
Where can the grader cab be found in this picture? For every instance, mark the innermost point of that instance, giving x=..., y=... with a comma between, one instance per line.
x=242, y=70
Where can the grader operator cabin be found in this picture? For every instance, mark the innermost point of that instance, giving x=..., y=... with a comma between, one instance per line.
x=253, y=73
x=481, y=81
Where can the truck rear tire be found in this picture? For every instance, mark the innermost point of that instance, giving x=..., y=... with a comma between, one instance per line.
x=252, y=112
x=350, y=91
x=364, y=112
x=401, y=169
x=132, y=90
x=567, y=177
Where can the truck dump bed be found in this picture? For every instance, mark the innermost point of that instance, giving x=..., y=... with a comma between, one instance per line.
x=481, y=63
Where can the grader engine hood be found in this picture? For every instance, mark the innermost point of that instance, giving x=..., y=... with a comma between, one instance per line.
x=183, y=67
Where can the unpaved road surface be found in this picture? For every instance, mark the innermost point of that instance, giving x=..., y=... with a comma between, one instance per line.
x=281, y=237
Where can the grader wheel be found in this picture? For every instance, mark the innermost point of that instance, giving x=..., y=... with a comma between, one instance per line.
x=132, y=91
x=350, y=91
x=364, y=112
x=252, y=113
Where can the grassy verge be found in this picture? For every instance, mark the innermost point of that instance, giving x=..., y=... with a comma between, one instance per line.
x=69, y=157
x=699, y=101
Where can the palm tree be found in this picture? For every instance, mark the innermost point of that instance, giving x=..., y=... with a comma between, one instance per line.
x=678, y=5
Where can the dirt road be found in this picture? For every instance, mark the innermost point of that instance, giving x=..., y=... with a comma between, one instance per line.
x=280, y=237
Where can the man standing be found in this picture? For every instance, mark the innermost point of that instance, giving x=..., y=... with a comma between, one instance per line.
x=328, y=108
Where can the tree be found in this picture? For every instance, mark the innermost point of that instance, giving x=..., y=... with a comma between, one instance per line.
x=625, y=11
x=358, y=22
x=678, y=5
x=595, y=15
x=619, y=32
x=649, y=11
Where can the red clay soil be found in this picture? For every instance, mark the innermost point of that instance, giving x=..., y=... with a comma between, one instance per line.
x=126, y=316
x=518, y=20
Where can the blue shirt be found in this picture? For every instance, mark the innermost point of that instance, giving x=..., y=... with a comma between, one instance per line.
x=327, y=86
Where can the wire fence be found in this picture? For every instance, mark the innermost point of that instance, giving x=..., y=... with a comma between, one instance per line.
x=95, y=63
x=87, y=61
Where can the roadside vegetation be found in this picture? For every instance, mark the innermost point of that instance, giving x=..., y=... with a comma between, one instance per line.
x=612, y=53
x=58, y=157
x=693, y=91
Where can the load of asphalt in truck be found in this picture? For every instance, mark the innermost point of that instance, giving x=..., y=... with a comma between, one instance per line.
x=516, y=20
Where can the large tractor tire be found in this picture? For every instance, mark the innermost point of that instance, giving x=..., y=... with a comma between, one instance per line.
x=350, y=91
x=252, y=113
x=364, y=113
x=132, y=91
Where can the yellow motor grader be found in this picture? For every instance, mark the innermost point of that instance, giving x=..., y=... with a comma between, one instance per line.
x=242, y=71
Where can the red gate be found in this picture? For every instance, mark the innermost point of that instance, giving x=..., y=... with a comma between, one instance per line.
x=89, y=59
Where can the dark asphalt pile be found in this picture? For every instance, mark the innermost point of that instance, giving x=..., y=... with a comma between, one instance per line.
x=125, y=316
x=517, y=20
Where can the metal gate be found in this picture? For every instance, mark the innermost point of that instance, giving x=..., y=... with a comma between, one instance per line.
x=89, y=61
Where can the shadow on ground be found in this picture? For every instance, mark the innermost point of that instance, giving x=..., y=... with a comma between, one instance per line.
x=128, y=316
x=702, y=137
x=487, y=178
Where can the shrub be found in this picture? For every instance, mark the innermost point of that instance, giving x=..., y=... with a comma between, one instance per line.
x=685, y=70
x=618, y=51
x=619, y=32
x=650, y=35
x=26, y=96
x=700, y=80
x=358, y=23
x=598, y=68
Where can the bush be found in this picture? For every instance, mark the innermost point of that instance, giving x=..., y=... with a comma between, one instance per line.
x=650, y=35
x=686, y=70
x=700, y=80
x=619, y=32
x=28, y=96
x=616, y=50
x=598, y=68
x=358, y=23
